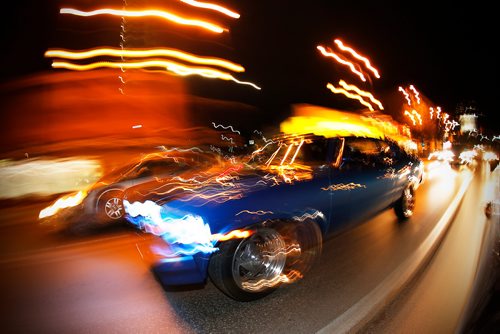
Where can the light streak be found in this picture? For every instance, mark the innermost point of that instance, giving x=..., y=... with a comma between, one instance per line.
x=432, y=111
x=168, y=65
x=416, y=93
x=361, y=92
x=340, y=60
x=62, y=203
x=258, y=212
x=407, y=96
x=349, y=95
x=438, y=112
x=143, y=53
x=186, y=234
x=211, y=6
x=414, y=112
x=148, y=12
x=137, y=126
x=495, y=138
x=226, y=127
x=409, y=114
x=341, y=186
x=358, y=56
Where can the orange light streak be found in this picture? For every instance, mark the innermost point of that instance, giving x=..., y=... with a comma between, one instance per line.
x=236, y=234
x=340, y=60
x=409, y=114
x=416, y=93
x=135, y=53
x=414, y=112
x=286, y=154
x=211, y=6
x=349, y=95
x=62, y=203
x=174, y=67
x=357, y=56
x=407, y=96
x=361, y=92
x=297, y=151
x=148, y=12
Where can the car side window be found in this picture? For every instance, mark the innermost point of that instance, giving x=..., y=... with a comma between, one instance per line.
x=314, y=153
x=361, y=153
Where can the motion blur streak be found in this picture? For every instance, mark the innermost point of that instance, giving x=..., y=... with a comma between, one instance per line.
x=336, y=90
x=332, y=54
x=342, y=186
x=347, y=86
x=407, y=96
x=258, y=212
x=148, y=12
x=417, y=115
x=211, y=6
x=410, y=115
x=291, y=277
x=416, y=93
x=118, y=52
x=168, y=65
x=46, y=177
x=357, y=56
x=186, y=234
x=63, y=202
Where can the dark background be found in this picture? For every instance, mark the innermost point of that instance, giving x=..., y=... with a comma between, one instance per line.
x=444, y=48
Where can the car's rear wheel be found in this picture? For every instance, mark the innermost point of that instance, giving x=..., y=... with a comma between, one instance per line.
x=406, y=204
x=251, y=268
x=110, y=206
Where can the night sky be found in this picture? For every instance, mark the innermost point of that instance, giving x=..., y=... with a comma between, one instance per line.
x=444, y=48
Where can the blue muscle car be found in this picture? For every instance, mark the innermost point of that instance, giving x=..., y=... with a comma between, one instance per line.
x=256, y=223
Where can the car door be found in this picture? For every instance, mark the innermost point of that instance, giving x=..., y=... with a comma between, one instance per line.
x=359, y=182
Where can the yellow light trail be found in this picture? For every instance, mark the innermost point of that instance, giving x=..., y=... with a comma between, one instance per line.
x=349, y=95
x=168, y=65
x=357, y=56
x=139, y=53
x=416, y=93
x=361, y=92
x=407, y=96
x=148, y=12
x=432, y=111
x=211, y=6
x=340, y=60
x=438, y=112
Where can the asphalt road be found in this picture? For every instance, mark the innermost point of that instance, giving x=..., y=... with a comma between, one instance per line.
x=100, y=283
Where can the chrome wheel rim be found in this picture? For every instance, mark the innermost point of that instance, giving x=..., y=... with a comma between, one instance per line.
x=408, y=202
x=259, y=261
x=114, y=208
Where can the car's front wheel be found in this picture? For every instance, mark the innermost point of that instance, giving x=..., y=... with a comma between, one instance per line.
x=406, y=204
x=251, y=268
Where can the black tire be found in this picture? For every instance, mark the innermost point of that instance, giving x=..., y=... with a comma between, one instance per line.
x=252, y=268
x=405, y=205
x=110, y=206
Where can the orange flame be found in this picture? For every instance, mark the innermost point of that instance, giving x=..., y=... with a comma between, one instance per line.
x=357, y=56
x=148, y=12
